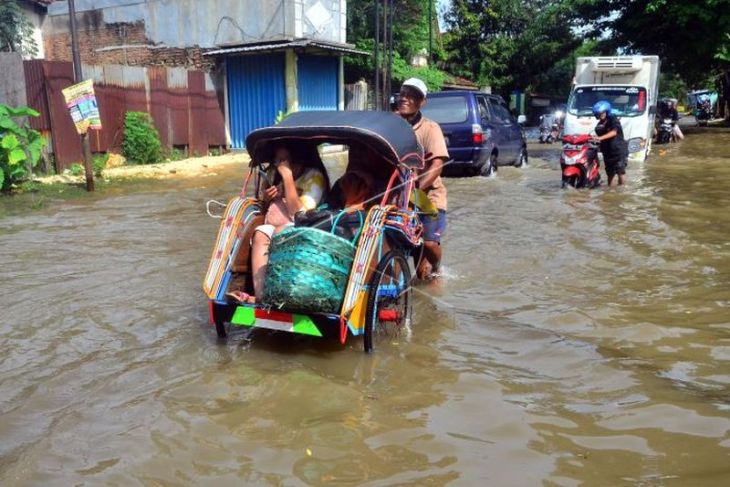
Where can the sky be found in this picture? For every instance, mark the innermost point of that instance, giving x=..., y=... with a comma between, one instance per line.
x=441, y=6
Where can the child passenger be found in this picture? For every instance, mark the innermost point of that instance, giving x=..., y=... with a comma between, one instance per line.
x=297, y=185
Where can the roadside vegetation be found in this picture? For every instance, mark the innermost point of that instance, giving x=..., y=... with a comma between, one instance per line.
x=141, y=143
x=20, y=146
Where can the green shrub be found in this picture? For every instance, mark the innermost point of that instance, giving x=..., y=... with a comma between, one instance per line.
x=141, y=141
x=20, y=146
x=99, y=163
x=176, y=154
x=76, y=169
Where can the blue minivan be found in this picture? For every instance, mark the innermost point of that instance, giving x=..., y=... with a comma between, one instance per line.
x=479, y=129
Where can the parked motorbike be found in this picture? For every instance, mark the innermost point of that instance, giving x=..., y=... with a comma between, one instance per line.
x=579, y=162
x=666, y=129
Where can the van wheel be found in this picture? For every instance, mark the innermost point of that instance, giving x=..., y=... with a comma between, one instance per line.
x=490, y=168
x=521, y=158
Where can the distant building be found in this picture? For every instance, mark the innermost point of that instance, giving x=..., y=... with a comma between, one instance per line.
x=266, y=56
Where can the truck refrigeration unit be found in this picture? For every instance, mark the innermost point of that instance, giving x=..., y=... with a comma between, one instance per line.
x=630, y=84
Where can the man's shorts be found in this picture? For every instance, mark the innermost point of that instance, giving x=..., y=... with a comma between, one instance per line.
x=434, y=226
x=615, y=166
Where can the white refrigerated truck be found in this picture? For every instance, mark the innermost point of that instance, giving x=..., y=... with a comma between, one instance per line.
x=630, y=84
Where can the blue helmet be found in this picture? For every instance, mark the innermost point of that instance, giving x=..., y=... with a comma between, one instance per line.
x=600, y=107
x=704, y=97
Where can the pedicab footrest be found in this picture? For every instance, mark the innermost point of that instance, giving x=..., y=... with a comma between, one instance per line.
x=308, y=270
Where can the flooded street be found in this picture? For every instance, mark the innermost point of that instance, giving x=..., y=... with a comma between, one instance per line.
x=579, y=338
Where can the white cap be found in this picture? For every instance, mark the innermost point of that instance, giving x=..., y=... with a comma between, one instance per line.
x=417, y=84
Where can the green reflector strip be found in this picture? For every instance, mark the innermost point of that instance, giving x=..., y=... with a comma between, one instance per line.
x=244, y=316
x=304, y=325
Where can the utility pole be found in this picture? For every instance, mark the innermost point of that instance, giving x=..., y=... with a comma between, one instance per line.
x=390, y=52
x=384, y=101
x=88, y=167
x=376, y=105
x=430, y=31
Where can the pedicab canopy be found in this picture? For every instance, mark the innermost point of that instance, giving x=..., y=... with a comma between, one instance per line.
x=387, y=134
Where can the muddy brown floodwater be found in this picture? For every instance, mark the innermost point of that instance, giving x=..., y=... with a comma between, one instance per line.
x=579, y=338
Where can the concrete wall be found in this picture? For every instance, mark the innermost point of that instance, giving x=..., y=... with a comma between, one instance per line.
x=320, y=19
x=12, y=80
x=209, y=23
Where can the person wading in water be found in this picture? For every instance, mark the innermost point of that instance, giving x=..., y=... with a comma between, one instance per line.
x=410, y=100
x=610, y=136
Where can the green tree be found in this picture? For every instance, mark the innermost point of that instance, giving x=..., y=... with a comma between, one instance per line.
x=16, y=31
x=410, y=37
x=691, y=38
x=532, y=44
x=513, y=43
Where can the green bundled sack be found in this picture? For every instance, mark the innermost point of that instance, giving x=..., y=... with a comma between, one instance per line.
x=308, y=270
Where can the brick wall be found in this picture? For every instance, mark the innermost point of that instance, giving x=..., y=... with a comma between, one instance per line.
x=120, y=43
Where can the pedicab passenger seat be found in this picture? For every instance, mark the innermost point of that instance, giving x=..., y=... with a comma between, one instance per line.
x=242, y=262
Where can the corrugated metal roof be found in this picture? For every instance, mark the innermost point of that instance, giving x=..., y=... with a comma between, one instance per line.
x=284, y=45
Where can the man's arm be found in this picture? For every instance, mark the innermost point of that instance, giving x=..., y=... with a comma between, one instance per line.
x=428, y=178
x=607, y=135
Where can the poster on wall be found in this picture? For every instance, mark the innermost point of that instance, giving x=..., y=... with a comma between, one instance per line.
x=81, y=103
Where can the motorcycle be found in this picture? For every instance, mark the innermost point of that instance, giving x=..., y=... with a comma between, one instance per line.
x=666, y=129
x=549, y=129
x=704, y=113
x=579, y=162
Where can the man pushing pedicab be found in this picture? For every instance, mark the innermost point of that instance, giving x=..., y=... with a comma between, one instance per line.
x=412, y=97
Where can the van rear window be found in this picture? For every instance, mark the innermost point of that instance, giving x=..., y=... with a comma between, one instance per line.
x=446, y=109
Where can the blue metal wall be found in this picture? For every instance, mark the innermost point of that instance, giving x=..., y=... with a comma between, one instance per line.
x=317, y=82
x=256, y=93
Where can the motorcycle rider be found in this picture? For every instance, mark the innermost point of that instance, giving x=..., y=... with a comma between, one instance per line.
x=610, y=136
x=704, y=106
x=674, y=115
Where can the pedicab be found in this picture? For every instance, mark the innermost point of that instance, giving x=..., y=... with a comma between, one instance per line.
x=318, y=283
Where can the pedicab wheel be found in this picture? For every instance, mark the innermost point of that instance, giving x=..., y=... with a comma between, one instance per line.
x=388, y=312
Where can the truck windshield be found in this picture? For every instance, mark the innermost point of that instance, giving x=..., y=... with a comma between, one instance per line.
x=626, y=101
x=446, y=109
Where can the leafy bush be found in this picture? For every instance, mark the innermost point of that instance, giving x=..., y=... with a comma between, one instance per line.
x=141, y=141
x=99, y=163
x=176, y=154
x=20, y=146
x=76, y=169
